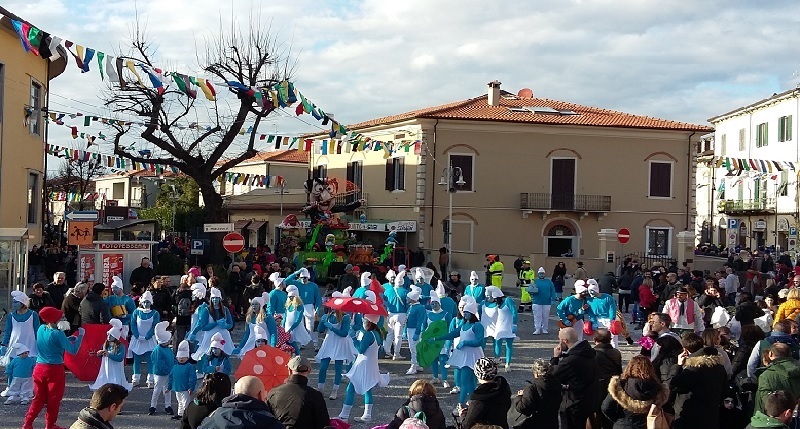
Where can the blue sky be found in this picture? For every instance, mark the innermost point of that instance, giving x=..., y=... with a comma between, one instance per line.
x=680, y=60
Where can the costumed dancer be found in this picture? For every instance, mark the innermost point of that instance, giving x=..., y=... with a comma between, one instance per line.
x=20, y=376
x=366, y=280
x=524, y=279
x=468, y=349
x=395, y=300
x=120, y=306
x=358, y=318
x=257, y=316
x=277, y=297
x=414, y=321
x=143, y=330
x=425, y=288
x=49, y=380
x=311, y=298
x=112, y=364
x=448, y=304
x=435, y=314
x=543, y=295
x=365, y=374
x=604, y=308
x=390, y=276
x=216, y=360
x=183, y=379
x=293, y=320
x=503, y=312
x=163, y=360
x=474, y=289
x=574, y=311
x=337, y=347
x=213, y=319
x=21, y=327
x=450, y=344
x=401, y=269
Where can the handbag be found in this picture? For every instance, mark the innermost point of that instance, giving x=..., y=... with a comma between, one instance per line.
x=657, y=418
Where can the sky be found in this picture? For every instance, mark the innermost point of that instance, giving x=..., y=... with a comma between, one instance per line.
x=679, y=60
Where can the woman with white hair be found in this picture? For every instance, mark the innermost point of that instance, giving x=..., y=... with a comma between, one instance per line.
x=499, y=319
x=72, y=306
x=143, y=329
x=212, y=319
x=257, y=317
x=293, y=319
x=21, y=327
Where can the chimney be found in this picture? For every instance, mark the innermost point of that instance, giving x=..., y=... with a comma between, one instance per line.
x=494, y=93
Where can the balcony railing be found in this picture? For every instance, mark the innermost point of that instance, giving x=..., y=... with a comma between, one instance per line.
x=347, y=199
x=136, y=202
x=761, y=205
x=565, y=202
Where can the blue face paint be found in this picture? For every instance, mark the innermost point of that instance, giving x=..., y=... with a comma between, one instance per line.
x=146, y=305
x=435, y=306
x=215, y=351
x=15, y=305
x=215, y=301
x=467, y=315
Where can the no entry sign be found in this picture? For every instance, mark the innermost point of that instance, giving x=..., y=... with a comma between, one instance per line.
x=623, y=235
x=233, y=242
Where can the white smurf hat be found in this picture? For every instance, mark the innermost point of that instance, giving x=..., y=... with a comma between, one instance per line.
x=414, y=294
x=116, y=282
x=216, y=293
x=292, y=291
x=20, y=297
x=198, y=291
x=440, y=290
x=183, y=349
x=474, y=276
x=374, y=318
x=19, y=348
x=371, y=297
x=390, y=275
x=400, y=279
x=162, y=334
x=494, y=292
x=580, y=286
x=304, y=273
x=217, y=341
x=348, y=292
x=366, y=279
x=147, y=296
x=472, y=308
x=259, y=333
x=541, y=270
x=435, y=298
x=116, y=329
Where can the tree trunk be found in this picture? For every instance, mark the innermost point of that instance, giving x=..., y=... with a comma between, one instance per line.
x=212, y=200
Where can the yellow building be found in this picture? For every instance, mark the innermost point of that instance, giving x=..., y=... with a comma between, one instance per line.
x=24, y=87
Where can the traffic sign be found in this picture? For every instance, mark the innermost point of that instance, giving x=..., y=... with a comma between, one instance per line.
x=233, y=242
x=623, y=235
x=81, y=233
x=89, y=215
x=197, y=247
x=217, y=227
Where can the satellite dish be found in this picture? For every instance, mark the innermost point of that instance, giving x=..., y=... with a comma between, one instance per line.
x=525, y=93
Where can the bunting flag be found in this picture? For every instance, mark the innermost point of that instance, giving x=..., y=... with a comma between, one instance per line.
x=743, y=164
x=109, y=161
x=73, y=197
x=255, y=180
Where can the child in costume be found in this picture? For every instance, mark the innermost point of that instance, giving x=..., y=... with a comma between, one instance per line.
x=467, y=350
x=449, y=345
x=475, y=289
x=21, y=327
x=337, y=347
x=448, y=304
x=216, y=360
x=311, y=299
x=414, y=321
x=183, y=379
x=424, y=286
x=499, y=319
x=20, y=376
x=112, y=366
x=293, y=321
x=257, y=316
x=284, y=338
x=543, y=294
x=395, y=300
x=435, y=314
x=211, y=320
x=163, y=360
x=143, y=329
x=365, y=374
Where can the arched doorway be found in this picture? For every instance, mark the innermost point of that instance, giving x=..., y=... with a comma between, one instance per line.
x=561, y=239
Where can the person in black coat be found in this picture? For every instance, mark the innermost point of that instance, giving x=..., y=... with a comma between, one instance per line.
x=609, y=364
x=749, y=339
x=295, y=404
x=631, y=395
x=669, y=348
x=576, y=370
x=536, y=406
x=40, y=299
x=746, y=310
x=215, y=388
x=93, y=308
x=421, y=399
x=162, y=299
x=491, y=400
x=698, y=382
x=246, y=409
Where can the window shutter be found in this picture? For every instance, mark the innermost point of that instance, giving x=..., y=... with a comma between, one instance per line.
x=390, y=174
x=401, y=174
x=660, y=178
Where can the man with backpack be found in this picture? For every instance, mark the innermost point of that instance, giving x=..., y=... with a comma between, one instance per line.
x=183, y=313
x=781, y=333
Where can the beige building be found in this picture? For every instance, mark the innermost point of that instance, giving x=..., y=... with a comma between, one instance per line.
x=136, y=189
x=531, y=176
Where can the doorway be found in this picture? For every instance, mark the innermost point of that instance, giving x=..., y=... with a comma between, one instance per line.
x=561, y=241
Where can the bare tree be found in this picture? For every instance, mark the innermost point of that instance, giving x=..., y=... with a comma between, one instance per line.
x=253, y=58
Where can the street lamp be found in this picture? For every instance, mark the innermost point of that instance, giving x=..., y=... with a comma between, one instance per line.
x=451, y=176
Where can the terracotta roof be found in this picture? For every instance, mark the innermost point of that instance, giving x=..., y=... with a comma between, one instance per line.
x=292, y=156
x=478, y=109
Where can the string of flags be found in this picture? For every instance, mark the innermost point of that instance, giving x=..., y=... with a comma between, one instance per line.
x=73, y=197
x=745, y=164
x=109, y=161
x=254, y=180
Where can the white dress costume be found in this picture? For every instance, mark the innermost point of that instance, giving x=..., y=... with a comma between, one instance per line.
x=22, y=333
x=141, y=347
x=365, y=374
x=111, y=371
x=205, y=344
x=336, y=348
x=299, y=334
x=489, y=319
x=250, y=344
x=505, y=323
x=466, y=356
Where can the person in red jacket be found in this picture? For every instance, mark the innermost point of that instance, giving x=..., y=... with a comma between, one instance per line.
x=647, y=299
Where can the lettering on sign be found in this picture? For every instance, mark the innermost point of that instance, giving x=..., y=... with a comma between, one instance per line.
x=365, y=227
x=123, y=246
x=402, y=226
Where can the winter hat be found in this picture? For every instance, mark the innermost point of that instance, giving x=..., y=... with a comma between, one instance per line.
x=474, y=276
x=414, y=294
x=435, y=298
x=593, y=288
x=541, y=271
x=371, y=297
x=494, y=292
x=390, y=275
x=116, y=283
x=20, y=297
x=260, y=333
x=195, y=271
x=216, y=293
x=292, y=291
x=485, y=369
x=440, y=290
x=198, y=291
x=304, y=273
x=162, y=335
x=365, y=279
x=50, y=314
x=19, y=348
x=471, y=307
x=580, y=286
x=401, y=268
x=299, y=364
x=116, y=329
x=183, y=349
x=217, y=341
x=348, y=291
x=374, y=318
x=400, y=279
x=413, y=423
x=356, y=270
x=147, y=296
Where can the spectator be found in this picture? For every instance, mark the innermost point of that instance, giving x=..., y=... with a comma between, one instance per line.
x=72, y=306
x=58, y=288
x=236, y=287
x=576, y=370
x=455, y=287
x=791, y=308
x=246, y=409
x=607, y=283
x=712, y=338
x=684, y=313
x=710, y=300
x=608, y=361
x=184, y=307
x=670, y=289
x=781, y=333
x=106, y=403
x=93, y=308
x=39, y=298
x=668, y=350
x=781, y=373
x=730, y=415
x=699, y=383
x=731, y=285
x=421, y=403
x=648, y=301
x=295, y=404
x=749, y=339
x=162, y=299
x=778, y=411
x=625, y=282
x=348, y=279
x=35, y=261
x=631, y=395
x=491, y=400
x=143, y=274
x=444, y=262
x=537, y=404
x=209, y=396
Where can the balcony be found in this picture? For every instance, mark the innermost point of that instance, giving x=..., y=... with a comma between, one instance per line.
x=136, y=203
x=755, y=207
x=546, y=203
x=355, y=196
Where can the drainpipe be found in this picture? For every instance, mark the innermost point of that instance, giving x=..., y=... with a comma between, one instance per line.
x=688, y=180
x=433, y=188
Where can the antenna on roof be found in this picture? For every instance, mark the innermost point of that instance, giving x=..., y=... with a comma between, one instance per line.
x=525, y=93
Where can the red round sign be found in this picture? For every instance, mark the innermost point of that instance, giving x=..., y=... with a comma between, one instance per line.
x=233, y=242
x=623, y=235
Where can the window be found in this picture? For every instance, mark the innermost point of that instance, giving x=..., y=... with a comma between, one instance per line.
x=321, y=172
x=396, y=174
x=355, y=173
x=118, y=191
x=785, y=128
x=761, y=135
x=723, y=144
x=658, y=241
x=742, y=139
x=783, y=188
x=465, y=163
x=33, y=197
x=35, y=124
x=660, y=179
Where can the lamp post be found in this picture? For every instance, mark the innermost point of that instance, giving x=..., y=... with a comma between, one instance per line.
x=451, y=176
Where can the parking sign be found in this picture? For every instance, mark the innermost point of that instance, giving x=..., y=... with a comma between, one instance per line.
x=197, y=247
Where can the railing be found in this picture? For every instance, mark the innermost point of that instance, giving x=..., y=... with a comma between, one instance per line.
x=355, y=196
x=761, y=205
x=136, y=202
x=565, y=202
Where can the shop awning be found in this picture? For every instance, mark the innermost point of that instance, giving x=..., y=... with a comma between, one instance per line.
x=241, y=224
x=256, y=225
